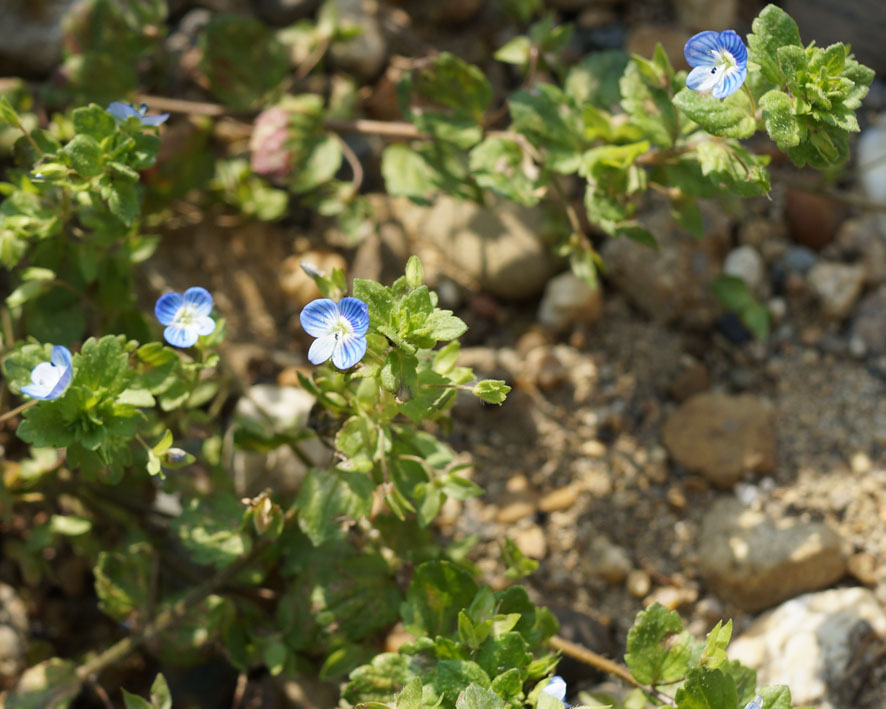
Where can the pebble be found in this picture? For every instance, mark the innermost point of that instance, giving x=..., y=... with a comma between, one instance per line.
x=871, y=160
x=869, y=324
x=545, y=369
x=364, y=55
x=532, y=542
x=638, y=583
x=753, y=561
x=560, y=499
x=672, y=597
x=863, y=566
x=813, y=219
x=721, y=436
x=13, y=633
x=569, y=301
x=746, y=263
x=608, y=561
x=692, y=380
x=837, y=286
x=819, y=644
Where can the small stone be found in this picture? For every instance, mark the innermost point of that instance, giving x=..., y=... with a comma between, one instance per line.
x=536, y=337
x=755, y=562
x=363, y=55
x=837, y=286
x=863, y=566
x=704, y=15
x=561, y=499
x=822, y=645
x=799, y=259
x=869, y=324
x=638, y=583
x=569, y=301
x=746, y=263
x=608, y=561
x=813, y=219
x=871, y=160
x=693, y=380
x=532, y=542
x=721, y=437
x=545, y=369
x=863, y=241
x=860, y=463
x=676, y=497
x=672, y=597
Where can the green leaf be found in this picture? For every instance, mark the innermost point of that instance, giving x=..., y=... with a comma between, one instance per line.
x=658, y=648
x=123, y=200
x=123, y=580
x=437, y=592
x=242, y=59
x=476, y=697
x=379, y=681
x=36, y=281
x=85, y=156
x=93, y=121
x=515, y=51
x=327, y=495
x=492, y=391
x=517, y=563
x=441, y=325
x=160, y=697
x=70, y=525
x=7, y=113
x=595, y=78
x=732, y=292
x=133, y=701
x=51, y=684
x=552, y=123
x=715, y=649
x=776, y=696
x=501, y=165
x=407, y=173
x=728, y=118
x=734, y=168
x=410, y=697
x=450, y=677
x=779, y=119
x=211, y=530
x=415, y=274
x=707, y=688
x=745, y=680
x=687, y=214
x=649, y=107
x=773, y=28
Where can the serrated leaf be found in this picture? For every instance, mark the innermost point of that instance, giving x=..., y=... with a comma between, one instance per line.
x=85, y=156
x=437, y=592
x=773, y=28
x=477, y=697
x=501, y=165
x=517, y=563
x=407, y=173
x=328, y=495
x=492, y=391
x=715, y=648
x=210, y=529
x=779, y=119
x=550, y=120
x=658, y=647
x=707, y=688
x=93, y=121
x=727, y=118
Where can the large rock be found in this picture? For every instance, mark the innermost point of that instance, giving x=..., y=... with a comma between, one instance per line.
x=822, y=645
x=755, y=562
x=502, y=248
x=721, y=436
x=31, y=36
x=673, y=283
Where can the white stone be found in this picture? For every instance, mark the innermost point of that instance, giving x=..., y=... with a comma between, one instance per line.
x=746, y=263
x=811, y=642
x=568, y=300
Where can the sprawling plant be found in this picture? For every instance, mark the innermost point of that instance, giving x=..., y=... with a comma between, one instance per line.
x=120, y=435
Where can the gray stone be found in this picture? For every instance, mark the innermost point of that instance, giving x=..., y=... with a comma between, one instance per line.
x=31, y=36
x=753, y=561
x=837, y=286
x=363, y=56
x=799, y=259
x=502, y=248
x=673, y=283
x=607, y=561
x=746, y=263
x=863, y=241
x=568, y=301
x=721, y=436
x=869, y=324
x=819, y=644
x=705, y=15
x=13, y=634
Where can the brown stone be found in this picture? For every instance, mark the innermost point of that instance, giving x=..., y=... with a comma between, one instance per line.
x=721, y=436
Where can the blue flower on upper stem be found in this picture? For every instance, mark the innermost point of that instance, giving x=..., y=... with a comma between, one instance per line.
x=121, y=111
x=720, y=60
x=51, y=379
x=186, y=317
x=340, y=329
x=556, y=687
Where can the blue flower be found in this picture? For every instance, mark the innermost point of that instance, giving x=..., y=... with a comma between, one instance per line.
x=756, y=704
x=51, y=379
x=186, y=317
x=720, y=60
x=556, y=687
x=340, y=329
x=122, y=111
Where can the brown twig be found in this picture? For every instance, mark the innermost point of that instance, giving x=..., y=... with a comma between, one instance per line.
x=18, y=409
x=589, y=657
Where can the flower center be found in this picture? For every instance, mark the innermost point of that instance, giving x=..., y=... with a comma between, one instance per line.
x=724, y=62
x=341, y=328
x=186, y=316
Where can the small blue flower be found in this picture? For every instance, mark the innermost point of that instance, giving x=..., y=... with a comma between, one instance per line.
x=720, y=60
x=556, y=688
x=122, y=111
x=756, y=704
x=51, y=379
x=186, y=317
x=340, y=329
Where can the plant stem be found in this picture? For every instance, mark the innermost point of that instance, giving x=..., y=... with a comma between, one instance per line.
x=589, y=657
x=18, y=409
x=753, y=100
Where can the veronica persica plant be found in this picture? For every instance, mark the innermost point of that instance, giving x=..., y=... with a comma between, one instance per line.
x=720, y=62
x=556, y=688
x=340, y=329
x=51, y=379
x=186, y=316
x=123, y=111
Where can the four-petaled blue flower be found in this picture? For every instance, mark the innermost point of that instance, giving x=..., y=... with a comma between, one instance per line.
x=556, y=687
x=720, y=60
x=51, y=379
x=186, y=317
x=121, y=111
x=340, y=329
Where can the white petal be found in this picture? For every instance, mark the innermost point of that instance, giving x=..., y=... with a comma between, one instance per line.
x=703, y=78
x=322, y=349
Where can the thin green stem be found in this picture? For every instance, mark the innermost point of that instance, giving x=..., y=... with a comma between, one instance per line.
x=747, y=90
